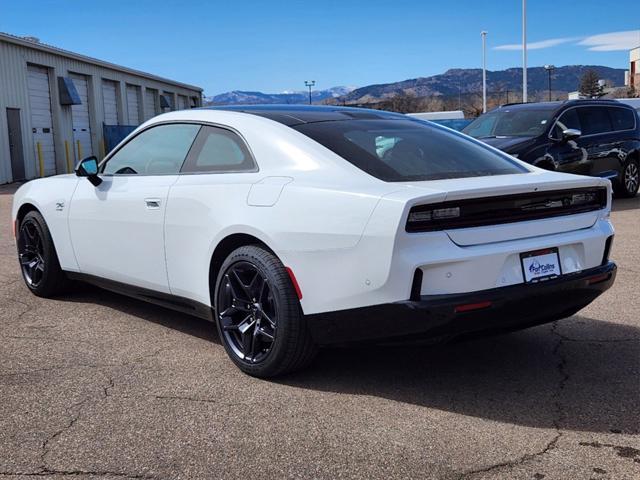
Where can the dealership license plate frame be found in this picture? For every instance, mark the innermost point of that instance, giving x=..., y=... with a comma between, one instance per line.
x=538, y=253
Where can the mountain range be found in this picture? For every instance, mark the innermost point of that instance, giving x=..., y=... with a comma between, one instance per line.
x=239, y=97
x=469, y=80
x=454, y=81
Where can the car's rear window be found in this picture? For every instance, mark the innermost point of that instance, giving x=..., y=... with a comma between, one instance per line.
x=622, y=118
x=508, y=122
x=409, y=150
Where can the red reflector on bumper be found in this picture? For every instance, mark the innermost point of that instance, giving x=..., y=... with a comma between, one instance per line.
x=472, y=306
x=598, y=278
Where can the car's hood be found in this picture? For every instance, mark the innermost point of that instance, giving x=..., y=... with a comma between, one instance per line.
x=507, y=144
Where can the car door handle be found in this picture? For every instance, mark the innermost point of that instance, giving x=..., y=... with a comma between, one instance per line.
x=152, y=203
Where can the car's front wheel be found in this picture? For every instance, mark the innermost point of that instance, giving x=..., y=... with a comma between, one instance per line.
x=38, y=258
x=258, y=314
x=628, y=184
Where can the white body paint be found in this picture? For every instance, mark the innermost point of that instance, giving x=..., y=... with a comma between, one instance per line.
x=340, y=230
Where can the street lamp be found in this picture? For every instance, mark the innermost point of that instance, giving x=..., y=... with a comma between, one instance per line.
x=524, y=51
x=484, y=71
x=309, y=83
x=549, y=69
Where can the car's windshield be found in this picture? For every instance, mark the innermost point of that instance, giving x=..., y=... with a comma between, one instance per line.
x=510, y=123
x=405, y=150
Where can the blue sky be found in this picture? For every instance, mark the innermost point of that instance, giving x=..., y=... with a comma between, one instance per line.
x=274, y=46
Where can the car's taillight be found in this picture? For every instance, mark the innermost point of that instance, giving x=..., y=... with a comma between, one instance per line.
x=435, y=214
x=476, y=212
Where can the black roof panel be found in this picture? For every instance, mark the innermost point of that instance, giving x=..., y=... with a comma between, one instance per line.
x=299, y=114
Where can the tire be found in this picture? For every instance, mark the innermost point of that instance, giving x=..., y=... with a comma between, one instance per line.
x=258, y=315
x=38, y=258
x=627, y=186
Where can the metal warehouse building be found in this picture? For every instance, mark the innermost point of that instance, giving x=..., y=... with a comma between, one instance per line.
x=57, y=107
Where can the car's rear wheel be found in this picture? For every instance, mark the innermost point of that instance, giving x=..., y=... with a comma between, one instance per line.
x=258, y=314
x=628, y=184
x=38, y=258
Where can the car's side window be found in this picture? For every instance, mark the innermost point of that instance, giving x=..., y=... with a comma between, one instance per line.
x=218, y=150
x=569, y=119
x=622, y=118
x=159, y=150
x=594, y=120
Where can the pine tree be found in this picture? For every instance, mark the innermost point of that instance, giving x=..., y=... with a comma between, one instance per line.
x=589, y=84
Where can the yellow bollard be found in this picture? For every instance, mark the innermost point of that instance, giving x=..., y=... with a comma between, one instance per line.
x=79, y=150
x=66, y=152
x=40, y=158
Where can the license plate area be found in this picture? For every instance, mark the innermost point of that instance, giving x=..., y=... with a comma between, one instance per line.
x=540, y=265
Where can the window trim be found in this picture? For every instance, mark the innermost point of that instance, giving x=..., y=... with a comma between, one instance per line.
x=553, y=125
x=243, y=145
x=175, y=122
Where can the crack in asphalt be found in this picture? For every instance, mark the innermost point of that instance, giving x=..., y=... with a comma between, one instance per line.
x=75, y=416
x=557, y=420
x=134, y=361
x=622, y=451
x=74, y=412
x=48, y=339
x=27, y=309
x=513, y=463
x=69, y=473
x=599, y=340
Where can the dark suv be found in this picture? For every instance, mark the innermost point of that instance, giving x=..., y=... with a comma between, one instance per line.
x=588, y=137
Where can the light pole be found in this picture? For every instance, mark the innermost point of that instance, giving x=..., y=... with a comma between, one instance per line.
x=524, y=51
x=549, y=69
x=484, y=71
x=309, y=83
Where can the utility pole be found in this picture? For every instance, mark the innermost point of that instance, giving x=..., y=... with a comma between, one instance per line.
x=549, y=69
x=524, y=51
x=309, y=83
x=484, y=71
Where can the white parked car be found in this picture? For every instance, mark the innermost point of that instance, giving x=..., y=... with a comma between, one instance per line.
x=291, y=227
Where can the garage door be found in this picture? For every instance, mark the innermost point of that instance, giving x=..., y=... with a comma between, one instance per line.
x=80, y=118
x=169, y=97
x=41, y=123
x=150, y=103
x=182, y=102
x=133, y=107
x=110, y=103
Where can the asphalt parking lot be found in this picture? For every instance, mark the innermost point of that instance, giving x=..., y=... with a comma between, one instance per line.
x=96, y=385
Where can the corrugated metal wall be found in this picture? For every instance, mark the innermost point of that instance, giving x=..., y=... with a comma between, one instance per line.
x=14, y=94
x=110, y=102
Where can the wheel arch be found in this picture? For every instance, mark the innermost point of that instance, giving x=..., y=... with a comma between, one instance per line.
x=23, y=210
x=224, y=247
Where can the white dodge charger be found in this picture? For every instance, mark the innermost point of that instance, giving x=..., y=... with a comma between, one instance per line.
x=294, y=227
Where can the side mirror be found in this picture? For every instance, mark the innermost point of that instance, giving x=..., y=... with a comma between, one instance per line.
x=88, y=168
x=570, y=134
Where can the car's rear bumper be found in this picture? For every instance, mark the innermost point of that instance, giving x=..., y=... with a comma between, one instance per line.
x=498, y=309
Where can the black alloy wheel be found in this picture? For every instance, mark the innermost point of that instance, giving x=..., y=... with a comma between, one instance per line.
x=631, y=178
x=31, y=253
x=248, y=312
x=258, y=314
x=37, y=256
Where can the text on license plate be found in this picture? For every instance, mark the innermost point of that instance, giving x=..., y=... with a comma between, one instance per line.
x=541, y=264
